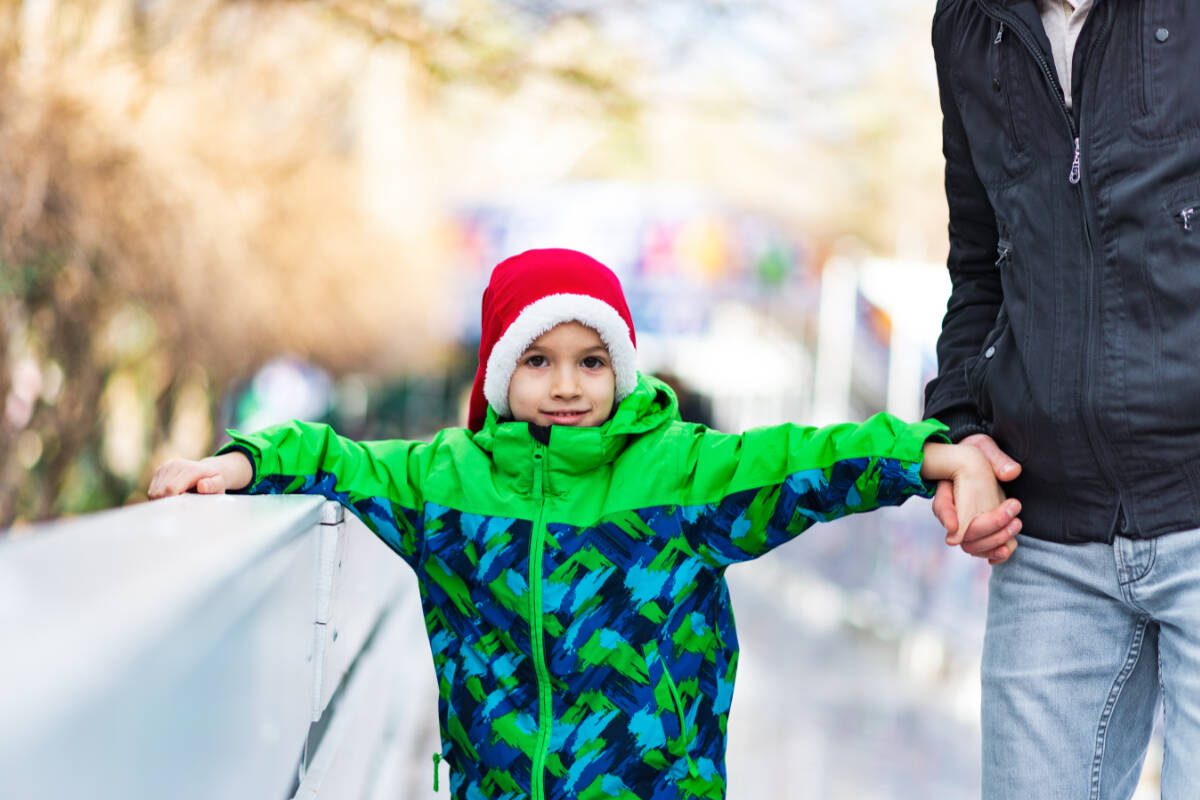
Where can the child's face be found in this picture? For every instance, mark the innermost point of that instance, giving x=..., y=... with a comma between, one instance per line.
x=564, y=378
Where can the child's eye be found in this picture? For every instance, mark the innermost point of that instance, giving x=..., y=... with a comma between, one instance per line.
x=593, y=362
x=535, y=361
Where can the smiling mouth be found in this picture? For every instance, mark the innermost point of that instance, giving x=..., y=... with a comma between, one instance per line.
x=564, y=416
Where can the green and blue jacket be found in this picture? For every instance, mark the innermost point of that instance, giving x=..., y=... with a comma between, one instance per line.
x=573, y=584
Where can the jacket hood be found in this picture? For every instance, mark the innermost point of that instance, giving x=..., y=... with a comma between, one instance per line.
x=651, y=404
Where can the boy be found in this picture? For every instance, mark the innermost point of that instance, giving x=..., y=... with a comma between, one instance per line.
x=571, y=542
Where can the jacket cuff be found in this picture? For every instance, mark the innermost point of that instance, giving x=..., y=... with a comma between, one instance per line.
x=961, y=423
x=919, y=434
x=251, y=456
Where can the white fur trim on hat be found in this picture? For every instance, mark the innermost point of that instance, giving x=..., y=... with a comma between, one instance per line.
x=539, y=317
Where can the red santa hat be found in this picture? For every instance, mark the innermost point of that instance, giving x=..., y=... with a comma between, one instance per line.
x=528, y=295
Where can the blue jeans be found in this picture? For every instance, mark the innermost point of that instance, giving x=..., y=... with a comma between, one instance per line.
x=1081, y=642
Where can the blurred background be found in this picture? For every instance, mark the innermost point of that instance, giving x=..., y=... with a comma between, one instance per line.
x=224, y=213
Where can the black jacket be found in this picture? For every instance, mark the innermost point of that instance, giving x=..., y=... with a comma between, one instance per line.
x=1072, y=334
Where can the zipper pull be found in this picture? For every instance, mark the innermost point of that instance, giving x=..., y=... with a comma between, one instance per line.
x=1186, y=215
x=1073, y=177
x=1002, y=254
x=538, y=470
x=999, y=34
x=437, y=758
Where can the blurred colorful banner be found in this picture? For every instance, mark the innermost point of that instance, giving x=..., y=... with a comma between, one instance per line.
x=676, y=252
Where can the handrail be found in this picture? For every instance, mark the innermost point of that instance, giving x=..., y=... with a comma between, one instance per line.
x=204, y=647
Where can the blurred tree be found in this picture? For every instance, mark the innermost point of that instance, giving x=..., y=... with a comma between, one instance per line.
x=182, y=197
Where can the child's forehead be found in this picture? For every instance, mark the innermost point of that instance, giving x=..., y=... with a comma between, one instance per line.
x=570, y=333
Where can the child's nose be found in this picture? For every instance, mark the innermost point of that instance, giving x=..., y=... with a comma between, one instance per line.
x=566, y=383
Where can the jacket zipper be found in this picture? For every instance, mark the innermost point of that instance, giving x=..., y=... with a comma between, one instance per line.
x=1089, y=412
x=998, y=84
x=1186, y=216
x=1003, y=253
x=1075, y=178
x=537, y=777
x=1006, y=20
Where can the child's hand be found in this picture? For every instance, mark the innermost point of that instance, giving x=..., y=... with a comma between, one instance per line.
x=213, y=475
x=985, y=524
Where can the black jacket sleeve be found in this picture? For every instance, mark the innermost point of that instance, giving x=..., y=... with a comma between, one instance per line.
x=975, y=294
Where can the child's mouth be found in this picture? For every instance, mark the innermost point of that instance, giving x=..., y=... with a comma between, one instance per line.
x=564, y=417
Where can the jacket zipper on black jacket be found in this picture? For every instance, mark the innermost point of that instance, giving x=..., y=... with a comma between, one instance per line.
x=1075, y=178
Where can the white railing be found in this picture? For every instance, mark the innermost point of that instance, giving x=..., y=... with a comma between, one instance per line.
x=211, y=647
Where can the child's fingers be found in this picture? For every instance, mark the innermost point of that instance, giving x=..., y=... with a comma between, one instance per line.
x=180, y=479
x=180, y=475
x=164, y=480
x=213, y=483
x=944, y=511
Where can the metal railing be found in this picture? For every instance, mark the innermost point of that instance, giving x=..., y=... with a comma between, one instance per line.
x=211, y=647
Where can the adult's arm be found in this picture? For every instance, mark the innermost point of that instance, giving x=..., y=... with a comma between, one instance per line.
x=976, y=293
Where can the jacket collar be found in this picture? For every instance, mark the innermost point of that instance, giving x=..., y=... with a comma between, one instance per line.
x=574, y=451
x=1026, y=14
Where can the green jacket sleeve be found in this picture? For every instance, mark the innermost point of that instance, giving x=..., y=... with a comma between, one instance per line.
x=378, y=481
x=752, y=492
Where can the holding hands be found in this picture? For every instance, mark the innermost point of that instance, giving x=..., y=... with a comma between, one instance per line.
x=969, y=502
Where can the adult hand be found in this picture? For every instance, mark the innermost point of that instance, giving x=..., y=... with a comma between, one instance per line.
x=986, y=529
x=992, y=534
